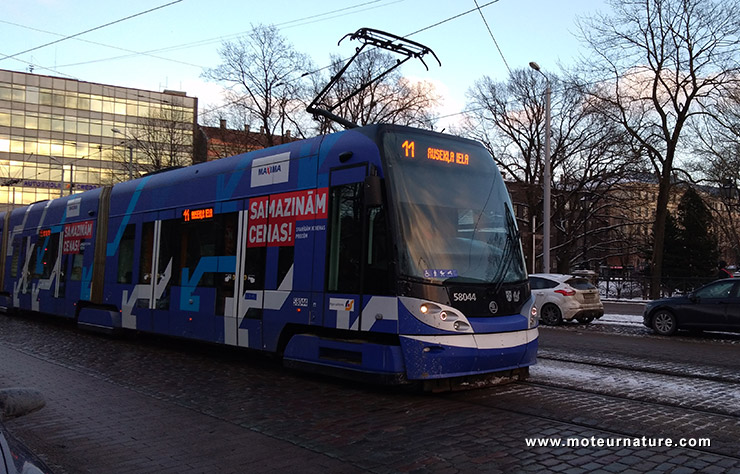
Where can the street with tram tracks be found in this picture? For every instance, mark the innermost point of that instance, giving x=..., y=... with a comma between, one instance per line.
x=611, y=388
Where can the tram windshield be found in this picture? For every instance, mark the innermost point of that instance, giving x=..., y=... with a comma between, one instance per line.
x=453, y=211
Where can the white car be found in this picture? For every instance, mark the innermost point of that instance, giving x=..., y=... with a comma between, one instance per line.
x=564, y=298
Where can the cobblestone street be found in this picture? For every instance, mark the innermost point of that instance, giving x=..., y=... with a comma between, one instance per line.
x=126, y=405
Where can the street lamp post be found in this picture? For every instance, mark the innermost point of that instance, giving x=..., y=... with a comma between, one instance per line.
x=130, y=154
x=546, y=175
x=585, y=201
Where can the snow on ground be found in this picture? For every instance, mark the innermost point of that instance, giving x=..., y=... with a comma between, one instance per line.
x=631, y=325
x=620, y=320
x=718, y=396
x=680, y=385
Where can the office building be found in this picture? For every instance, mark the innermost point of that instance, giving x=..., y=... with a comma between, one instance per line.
x=61, y=136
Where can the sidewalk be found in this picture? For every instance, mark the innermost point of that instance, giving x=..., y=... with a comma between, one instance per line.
x=112, y=429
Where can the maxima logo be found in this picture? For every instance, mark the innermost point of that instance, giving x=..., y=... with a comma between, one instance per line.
x=271, y=170
x=268, y=169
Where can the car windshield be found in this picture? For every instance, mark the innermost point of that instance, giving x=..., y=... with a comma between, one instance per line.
x=720, y=289
x=453, y=211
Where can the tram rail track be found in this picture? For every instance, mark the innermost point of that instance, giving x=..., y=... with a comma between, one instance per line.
x=636, y=416
x=642, y=400
x=650, y=367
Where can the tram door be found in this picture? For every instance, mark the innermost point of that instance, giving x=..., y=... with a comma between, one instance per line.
x=249, y=288
x=356, y=246
x=146, y=307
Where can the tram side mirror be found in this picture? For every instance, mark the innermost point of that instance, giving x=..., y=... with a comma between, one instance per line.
x=373, y=194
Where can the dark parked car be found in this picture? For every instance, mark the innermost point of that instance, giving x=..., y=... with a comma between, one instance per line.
x=713, y=307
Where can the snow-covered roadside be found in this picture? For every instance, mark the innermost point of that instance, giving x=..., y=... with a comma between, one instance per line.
x=681, y=390
x=620, y=320
x=631, y=325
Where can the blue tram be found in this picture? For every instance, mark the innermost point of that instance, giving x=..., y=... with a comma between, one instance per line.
x=381, y=252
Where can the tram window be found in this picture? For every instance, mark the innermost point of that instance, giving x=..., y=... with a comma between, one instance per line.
x=77, y=262
x=345, y=242
x=254, y=268
x=198, y=239
x=214, y=237
x=44, y=255
x=126, y=255
x=169, y=251
x=169, y=248
x=286, y=257
x=63, y=275
x=51, y=254
x=31, y=271
x=228, y=224
x=377, y=278
x=16, y=257
x=145, y=256
x=226, y=232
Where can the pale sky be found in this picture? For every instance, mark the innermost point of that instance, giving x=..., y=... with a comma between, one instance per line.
x=169, y=46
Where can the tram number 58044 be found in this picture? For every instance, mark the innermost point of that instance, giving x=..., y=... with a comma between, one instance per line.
x=463, y=296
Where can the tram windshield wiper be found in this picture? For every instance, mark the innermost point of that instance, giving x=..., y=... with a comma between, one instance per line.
x=512, y=236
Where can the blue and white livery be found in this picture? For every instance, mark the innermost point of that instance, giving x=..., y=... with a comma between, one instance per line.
x=381, y=252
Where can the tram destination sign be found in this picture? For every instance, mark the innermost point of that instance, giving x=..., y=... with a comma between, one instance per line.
x=445, y=155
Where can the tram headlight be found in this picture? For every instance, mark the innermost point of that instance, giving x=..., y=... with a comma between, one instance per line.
x=437, y=315
x=461, y=326
x=429, y=308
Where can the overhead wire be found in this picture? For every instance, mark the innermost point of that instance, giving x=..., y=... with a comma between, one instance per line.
x=322, y=17
x=300, y=22
x=492, y=37
x=91, y=30
x=296, y=22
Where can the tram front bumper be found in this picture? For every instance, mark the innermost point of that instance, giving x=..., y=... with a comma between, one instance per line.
x=455, y=355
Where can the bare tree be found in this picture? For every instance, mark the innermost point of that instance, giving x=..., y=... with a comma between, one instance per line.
x=161, y=140
x=589, y=157
x=164, y=140
x=718, y=162
x=263, y=73
x=392, y=99
x=509, y=118
x=655, y=64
